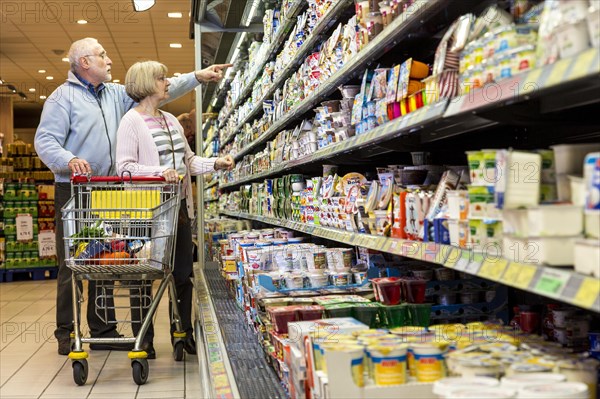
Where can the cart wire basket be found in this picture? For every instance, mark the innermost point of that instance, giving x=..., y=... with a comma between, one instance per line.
x=119, y=235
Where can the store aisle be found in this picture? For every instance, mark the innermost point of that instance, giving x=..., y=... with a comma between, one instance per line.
x=31, y=368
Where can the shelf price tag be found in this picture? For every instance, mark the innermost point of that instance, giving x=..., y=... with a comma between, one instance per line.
x=24, y=224
x=588, y=292
x=492, y=269
x=552, y=282
x=464, y=261
x=475, y=264
x=410, y=249
x=526, y=274
x=454, y=254
x=47, y=243
x=511, y=274
x=431, y=252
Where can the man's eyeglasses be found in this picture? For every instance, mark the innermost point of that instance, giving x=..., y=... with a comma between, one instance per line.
x=102, y=55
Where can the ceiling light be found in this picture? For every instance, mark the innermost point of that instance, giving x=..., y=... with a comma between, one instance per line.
x=22, y=95
x=49, y=77
x=42, y=71
x=42, y=97
x=66, y=59
x=252, y=12
x=142, y=5
x=32, y=90
x=116, y=81
x=175, y=45
x=82, y=22
x=175, y=15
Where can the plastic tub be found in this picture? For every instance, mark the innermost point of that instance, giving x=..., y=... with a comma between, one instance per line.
x=396, y=316
x=282, y=316
x=553, y=251
x=561, y=390
x=544, y=221
x=389, y=291
x=368, y=315
x=318, y=279
x=479, y=393
x=340, y=278
x=359, y=277
x=587, y=257
x=445, y=385
x=568, y=158
x=420, y=314
x=592, y=223
x=519, y=381
x=339, y=310
x=572, y=38
x=294, y=281
x=389, y=364
x=307, y=313
x=414, y=290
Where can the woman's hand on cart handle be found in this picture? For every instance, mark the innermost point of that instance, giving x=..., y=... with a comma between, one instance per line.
x=171, y=176
x=79, y=166
x=224, y=163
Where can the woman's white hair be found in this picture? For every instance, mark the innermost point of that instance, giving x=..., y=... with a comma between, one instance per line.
x=81, y=48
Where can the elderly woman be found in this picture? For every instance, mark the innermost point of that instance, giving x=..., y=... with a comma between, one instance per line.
x=151, y=142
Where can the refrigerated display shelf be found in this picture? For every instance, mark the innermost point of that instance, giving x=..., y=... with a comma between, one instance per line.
x=399, y=28
x=276, y=43
x=322, y=26
x=210, y=199
x=567, y=76
x=211, y=184
x=563, y=285
x=376, y=136
x=252, y=374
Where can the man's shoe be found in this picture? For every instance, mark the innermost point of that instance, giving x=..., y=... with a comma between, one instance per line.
x=189, y=344
x=148, y=347
x=64, y=346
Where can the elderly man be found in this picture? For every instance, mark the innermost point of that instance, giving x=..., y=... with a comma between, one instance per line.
x=77, y=134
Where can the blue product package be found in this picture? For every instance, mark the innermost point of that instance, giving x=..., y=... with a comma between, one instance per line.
x=93, y=249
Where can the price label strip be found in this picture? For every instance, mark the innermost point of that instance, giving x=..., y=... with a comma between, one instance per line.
x=454, y=254
x=464, y=261
x=492, y=269
x=526, y=275
x=552, y=282
x=475, y=264
x=587, y=295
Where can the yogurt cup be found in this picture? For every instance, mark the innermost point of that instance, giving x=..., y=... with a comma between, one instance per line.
x=479, y=393
x=294, y=281
x=318, y=280
x=389, y=364
x=429, y=362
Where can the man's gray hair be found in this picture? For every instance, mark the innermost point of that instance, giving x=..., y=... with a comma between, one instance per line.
x=81, y=48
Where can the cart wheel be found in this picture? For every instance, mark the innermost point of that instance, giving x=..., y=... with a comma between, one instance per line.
x=140, y=371
x=80, y=371
x=178, y=351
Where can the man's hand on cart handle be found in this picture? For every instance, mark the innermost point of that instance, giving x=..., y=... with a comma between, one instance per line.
x=79, y=166
x=171, y=176
x=224, y=163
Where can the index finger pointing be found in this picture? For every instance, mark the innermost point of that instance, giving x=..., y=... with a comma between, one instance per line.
x=222, y=66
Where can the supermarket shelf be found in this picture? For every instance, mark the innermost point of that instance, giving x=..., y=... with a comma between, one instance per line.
x=240, y=354
x=399, y=28
x=210, y=200
x=560, y=284
x=278, y=40
x=383, y=133
x=212, y=184
x=324, y=23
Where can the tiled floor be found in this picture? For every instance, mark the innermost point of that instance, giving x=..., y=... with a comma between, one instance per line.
x=31, y=368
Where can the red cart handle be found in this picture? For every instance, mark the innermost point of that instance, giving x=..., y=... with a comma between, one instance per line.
x=114, y=179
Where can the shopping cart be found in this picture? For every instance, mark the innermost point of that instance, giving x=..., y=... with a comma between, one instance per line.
x=119, y=234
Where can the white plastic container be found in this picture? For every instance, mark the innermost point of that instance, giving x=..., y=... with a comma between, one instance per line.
x=572, y=37
x=592, y=223
x=318, y=279
x=573, y=9
x=577, y=190
x=563, y=187
x=445, y=385
x=458, y=204
x=479, y=393
x=593, y=21
x=587, y=257
x=568, y=158
x=520, y=381
x=561, y=390
x=552, y=251
x=544, y=221
x=519, y=176
x=582, y=372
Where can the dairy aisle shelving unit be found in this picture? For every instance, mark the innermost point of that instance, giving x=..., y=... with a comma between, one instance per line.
x=528, y=110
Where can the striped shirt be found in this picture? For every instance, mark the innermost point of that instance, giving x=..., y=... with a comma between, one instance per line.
x=169, y=142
